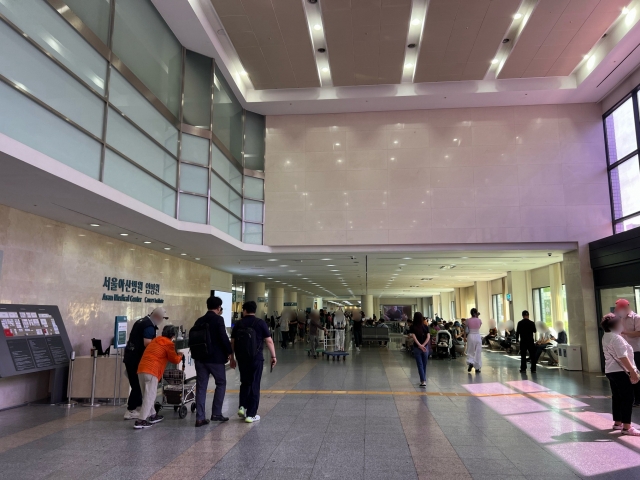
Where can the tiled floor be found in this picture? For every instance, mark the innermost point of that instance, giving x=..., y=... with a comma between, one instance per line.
x=360, y=419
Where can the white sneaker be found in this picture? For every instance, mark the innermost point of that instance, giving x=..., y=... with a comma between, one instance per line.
x=242, y=412
x=252, y=419
x=132, y=415
x=357, y=349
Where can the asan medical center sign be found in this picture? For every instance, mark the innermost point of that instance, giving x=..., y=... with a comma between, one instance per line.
x=129, y=291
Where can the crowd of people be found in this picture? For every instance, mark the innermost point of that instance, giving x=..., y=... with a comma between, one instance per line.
x=146, y=358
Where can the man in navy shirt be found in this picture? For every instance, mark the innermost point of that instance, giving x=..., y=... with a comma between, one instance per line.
x=142, y=332
x=214, y=365
x=251, y=372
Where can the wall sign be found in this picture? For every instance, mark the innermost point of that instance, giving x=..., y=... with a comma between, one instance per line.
x=508, y=297
x=33, y=338
x=113, y=284
x=290, y=304
x=262, y=300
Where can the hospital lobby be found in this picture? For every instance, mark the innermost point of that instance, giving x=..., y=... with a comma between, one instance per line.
x=429, y=207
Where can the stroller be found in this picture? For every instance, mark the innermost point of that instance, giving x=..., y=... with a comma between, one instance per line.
x=175, y=392
x=443, y=344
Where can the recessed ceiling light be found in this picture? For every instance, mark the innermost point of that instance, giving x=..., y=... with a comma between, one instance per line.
x=167, y=248
x=517, y=16
x=415, y=22
x=283, y=266
x=269, y=278
x=197, y=258
x=330, y=265
x=81, y=235
x=317, y=26
x=278, y=281
x=124, y=234
x=183, y=254
x=305, y=279
x=494, y=61
x=272, y=260
x=147, y=242
x=408, y=65
x=326, y=259
x=402, y=264
x=407, y=258
x=335, y=270
x=325, y=69
x=92, y=225
x=242, y=72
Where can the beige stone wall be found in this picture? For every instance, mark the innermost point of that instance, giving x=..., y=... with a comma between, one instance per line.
x=51, y=263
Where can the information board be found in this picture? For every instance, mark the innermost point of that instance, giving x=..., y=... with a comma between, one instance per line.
x=33, y=338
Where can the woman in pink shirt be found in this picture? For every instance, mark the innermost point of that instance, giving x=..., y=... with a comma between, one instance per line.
x=474, y=341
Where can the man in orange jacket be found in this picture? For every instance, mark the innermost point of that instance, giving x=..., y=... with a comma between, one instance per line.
x=154, y=360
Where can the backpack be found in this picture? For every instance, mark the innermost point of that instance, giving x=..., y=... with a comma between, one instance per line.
x=245, y=344
x=200, y=341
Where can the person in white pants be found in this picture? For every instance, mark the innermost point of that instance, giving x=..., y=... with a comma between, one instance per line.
x=474, y=341
x=339, y=323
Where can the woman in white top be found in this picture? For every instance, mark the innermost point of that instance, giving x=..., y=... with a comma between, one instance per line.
x=621, y=372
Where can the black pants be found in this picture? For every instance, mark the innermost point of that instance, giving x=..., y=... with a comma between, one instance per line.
x=203, y=370
x=135, y=397
x=285, y=339
x=636, y=387
x=250, y=378
x=621, y=396
x=524, y=349
x=357, y=336
x=540, y=349
x=293, y=329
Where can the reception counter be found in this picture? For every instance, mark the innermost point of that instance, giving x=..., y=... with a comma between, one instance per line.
x=106, y=376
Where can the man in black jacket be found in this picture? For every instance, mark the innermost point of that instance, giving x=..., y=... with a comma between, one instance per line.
x=214, y=365
x=142, y=332
x=526, y=331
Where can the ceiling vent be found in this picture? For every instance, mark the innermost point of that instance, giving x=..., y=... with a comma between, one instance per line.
x=447, y=267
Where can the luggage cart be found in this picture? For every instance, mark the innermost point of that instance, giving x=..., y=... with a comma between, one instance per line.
x=176, y=392
x=330, y=340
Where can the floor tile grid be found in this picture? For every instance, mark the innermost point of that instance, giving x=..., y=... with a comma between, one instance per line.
x=430, y=448
x=76, y=416
x=201, y=457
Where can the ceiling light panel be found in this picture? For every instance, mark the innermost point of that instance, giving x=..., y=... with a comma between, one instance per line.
x=520, y=19
x=414, y=37
x=318, y=41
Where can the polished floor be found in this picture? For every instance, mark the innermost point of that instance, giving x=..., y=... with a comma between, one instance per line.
x=364, y=418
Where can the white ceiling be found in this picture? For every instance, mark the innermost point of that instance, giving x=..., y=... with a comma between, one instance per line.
x=546, y=50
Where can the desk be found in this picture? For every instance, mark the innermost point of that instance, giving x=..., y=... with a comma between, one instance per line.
x=105, y=377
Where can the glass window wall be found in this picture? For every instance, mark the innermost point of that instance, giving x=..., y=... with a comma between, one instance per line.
x=131, y=142
x=54, y=35
x=94, y=14
x=197, y=90
x=146, y=45
x=227, y=116
x=621, y=135
x=134, y=105
x=542, y=306
x=129, y=179
x=54, y=81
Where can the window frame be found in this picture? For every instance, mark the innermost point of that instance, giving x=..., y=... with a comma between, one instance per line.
x=633, y=95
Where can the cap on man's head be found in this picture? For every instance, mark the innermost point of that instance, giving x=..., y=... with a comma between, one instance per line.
x=622, y=303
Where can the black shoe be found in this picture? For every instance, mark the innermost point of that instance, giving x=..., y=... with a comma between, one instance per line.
x=533, y=371
x=202, y=423
x=219, y=418
x=477, y=371
x=523, y=371
x=470, y=368
x=155, y=418
x=142, y=424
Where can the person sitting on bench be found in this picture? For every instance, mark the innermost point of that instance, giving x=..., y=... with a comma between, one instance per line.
x=547, y=341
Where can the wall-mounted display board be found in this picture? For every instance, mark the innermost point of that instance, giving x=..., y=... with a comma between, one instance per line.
x=32, y=339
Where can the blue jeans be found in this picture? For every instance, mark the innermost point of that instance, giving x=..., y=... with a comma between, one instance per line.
x=421, y=360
